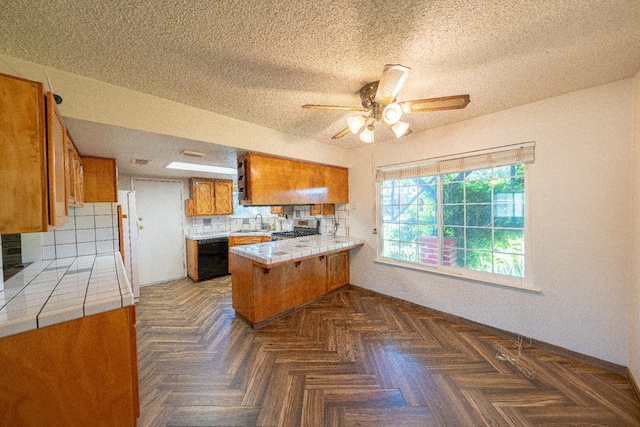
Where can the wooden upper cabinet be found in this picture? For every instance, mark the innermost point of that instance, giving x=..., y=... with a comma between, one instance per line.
x=203, y=194
x=57, y=164
x=100, y=178
x=209, y=197
x=224, y=197
x=322, y=209
x=75, y=184
x=33, y=158
x=270, y=180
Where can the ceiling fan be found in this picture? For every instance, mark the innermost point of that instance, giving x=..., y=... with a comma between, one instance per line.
x=379, y=105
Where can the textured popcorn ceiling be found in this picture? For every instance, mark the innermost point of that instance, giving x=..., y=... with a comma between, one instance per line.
x=259, y=61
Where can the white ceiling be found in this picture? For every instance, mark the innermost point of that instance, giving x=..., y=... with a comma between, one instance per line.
x=260, y=61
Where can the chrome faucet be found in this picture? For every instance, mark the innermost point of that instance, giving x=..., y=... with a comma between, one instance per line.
x=261, y=221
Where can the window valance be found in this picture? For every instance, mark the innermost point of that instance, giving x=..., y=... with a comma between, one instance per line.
x=481, y=159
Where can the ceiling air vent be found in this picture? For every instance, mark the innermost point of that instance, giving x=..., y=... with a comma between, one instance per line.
x=192, y=153
x=140, y=162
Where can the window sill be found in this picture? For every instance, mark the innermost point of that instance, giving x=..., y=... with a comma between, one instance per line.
x=470, y=275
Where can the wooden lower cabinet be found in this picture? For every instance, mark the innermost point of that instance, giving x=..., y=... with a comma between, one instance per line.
x=245, y=240
x=77, y=373
x=337, y=270
x=260, y=294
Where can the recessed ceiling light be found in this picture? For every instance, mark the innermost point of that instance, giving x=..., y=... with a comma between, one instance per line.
x=201, y=168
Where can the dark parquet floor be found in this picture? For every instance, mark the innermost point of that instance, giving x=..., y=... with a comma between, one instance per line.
x=352, y=358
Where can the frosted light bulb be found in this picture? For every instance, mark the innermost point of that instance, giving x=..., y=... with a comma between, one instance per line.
x=355, y=123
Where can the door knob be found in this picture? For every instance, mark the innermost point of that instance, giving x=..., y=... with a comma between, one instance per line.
x=141, y=227
x=139, y=218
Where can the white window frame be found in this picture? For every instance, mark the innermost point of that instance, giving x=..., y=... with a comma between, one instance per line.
x=524, y=283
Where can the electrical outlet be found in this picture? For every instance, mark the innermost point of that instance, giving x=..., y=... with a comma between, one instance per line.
x=352, y=206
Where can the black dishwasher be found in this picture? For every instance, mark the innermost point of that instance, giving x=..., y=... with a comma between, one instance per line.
x=213, y=258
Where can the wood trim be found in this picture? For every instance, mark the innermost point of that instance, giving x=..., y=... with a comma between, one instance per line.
x=192, y=258
x=589, y=360
x=120, y=233
x=56, y=165
x=633, y=382
x=135, y=393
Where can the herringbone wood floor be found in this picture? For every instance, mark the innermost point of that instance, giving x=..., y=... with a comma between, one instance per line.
x=351, y=359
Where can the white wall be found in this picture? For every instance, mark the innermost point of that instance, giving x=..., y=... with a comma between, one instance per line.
x=634, y=317
x=581, y=218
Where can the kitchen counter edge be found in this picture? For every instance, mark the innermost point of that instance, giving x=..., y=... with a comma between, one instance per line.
x=271, y=254
x=59, y=290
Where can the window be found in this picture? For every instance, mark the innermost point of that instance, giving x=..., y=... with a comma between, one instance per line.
x=464, y=220
x=240, y=211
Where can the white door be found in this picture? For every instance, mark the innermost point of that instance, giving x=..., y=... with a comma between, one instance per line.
x=161, y=254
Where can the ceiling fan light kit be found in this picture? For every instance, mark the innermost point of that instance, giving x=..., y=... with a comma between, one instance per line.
x=366, y=135
x=355, y=123
x=379, y=100
x=400, y=128
x=391, y=113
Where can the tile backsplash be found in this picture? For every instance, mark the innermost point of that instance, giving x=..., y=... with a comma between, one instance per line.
x=219, y=224
x=92, y=229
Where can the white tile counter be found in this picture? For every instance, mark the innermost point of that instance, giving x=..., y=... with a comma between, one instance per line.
x=280, y=251
x=202, y=236
x=55, y=291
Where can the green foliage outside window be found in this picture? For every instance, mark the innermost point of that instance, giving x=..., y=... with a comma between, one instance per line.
x=478, y=215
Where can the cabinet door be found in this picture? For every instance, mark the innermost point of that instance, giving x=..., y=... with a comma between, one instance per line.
x=337, y=270
x=203, y=195
x=269, y=180
x=74, y=174
x=224, y=197
x=23, y=193
x=287, y=286
x=79, y=179
x=100, y=179
x=324, y=209
x=56, y=164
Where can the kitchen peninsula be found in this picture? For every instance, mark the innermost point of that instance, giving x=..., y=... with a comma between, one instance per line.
x=272, y=279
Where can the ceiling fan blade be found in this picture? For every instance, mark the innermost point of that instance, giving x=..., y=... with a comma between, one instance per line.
x=435, y=104
x=340, y=134
x=333, y=107
x=393, y=77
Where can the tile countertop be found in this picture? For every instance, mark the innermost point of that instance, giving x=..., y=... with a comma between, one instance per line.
x=281, y=251
x=56, y=291
x=202, y=236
